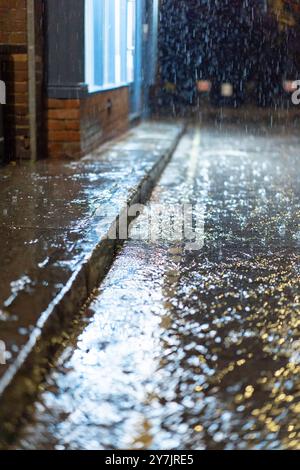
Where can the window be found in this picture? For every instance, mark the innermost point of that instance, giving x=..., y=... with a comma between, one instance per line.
x=131, y=24
x=110, y=35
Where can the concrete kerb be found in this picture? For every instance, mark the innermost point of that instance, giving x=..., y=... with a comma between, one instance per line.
x=16, y=386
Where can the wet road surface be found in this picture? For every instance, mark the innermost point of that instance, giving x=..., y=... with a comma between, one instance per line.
x=52, y=216
x=193, y=349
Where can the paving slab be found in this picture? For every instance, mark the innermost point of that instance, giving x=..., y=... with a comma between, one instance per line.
x=192, y=349
x=54, y=221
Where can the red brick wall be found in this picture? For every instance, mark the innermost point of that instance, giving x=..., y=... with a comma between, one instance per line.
x=69, y=128
x=75, y=127
x=13, y=22
x=40, y=89
x=14, y=71
x=103, y=116
x=63, y=128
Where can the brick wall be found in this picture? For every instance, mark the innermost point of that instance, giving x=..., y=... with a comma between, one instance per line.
x=75, y=127
x=66, y=128
x=63, y=128
x=40, y=88
x=13, y=22
x=14, y=71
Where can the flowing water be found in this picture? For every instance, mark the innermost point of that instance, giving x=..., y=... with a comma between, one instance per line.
x=193, y=349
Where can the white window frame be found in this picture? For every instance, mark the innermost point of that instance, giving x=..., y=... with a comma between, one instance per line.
x=106, y=44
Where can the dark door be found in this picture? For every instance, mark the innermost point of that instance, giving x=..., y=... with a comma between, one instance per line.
x=2, y=101
x=1, y=135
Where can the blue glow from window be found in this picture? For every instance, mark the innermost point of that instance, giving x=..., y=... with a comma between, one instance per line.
x=110, y=41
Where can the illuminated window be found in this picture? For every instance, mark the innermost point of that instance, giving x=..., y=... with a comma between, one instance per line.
x=110, y=30
x=131, y=23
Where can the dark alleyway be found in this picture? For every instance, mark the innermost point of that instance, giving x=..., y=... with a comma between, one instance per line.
x=193, y=349
x=149, y=225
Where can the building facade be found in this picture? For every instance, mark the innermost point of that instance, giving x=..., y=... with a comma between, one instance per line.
x=77, y=72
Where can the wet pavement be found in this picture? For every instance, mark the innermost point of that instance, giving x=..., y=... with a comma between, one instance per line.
x=54, y=217
x=193, y=349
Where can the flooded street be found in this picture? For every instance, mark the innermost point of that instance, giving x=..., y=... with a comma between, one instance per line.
x=198, y=349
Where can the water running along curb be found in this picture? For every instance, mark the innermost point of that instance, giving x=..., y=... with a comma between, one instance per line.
x=16, y=384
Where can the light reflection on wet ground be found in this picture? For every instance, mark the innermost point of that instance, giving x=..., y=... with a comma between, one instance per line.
x=201, y=349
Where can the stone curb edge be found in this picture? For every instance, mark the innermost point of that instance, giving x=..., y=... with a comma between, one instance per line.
x=15, y=384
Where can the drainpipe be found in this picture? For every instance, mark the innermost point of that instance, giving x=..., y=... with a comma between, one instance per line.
x=32, y=78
